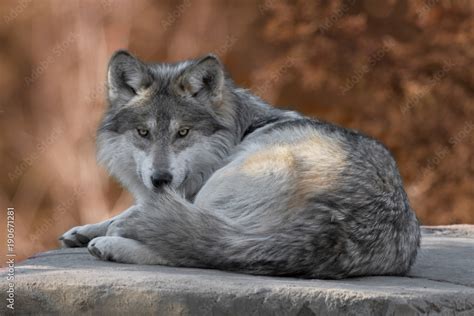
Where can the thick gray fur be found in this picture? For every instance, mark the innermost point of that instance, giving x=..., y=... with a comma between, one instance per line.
x=254, y=189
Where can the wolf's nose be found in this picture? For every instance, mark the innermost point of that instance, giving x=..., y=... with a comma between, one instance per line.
x=160, y=178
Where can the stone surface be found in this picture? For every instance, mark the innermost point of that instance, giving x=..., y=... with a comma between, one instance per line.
x=70, y=281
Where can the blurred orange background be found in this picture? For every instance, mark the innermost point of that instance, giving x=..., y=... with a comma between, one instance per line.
x=398, y=70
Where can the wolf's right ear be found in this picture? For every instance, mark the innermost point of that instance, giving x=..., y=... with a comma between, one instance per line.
x=126, y=76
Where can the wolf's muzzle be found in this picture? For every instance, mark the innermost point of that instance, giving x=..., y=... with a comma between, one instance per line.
x=160, y=178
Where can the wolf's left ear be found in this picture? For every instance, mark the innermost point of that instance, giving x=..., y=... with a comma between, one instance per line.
x=126, y=76
x=204, y=78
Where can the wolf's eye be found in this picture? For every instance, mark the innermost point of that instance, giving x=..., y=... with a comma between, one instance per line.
x=142, y=132
x=183, y=131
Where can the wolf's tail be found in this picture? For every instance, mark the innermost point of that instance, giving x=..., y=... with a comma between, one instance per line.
x=186, y=235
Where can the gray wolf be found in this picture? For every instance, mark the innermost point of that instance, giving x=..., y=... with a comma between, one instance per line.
x=223, y=180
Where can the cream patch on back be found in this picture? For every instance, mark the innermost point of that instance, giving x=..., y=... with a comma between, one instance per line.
x=275, y=158
x=313, y=162
x=292, y=170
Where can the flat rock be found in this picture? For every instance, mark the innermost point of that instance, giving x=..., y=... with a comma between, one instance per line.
x=70, y=281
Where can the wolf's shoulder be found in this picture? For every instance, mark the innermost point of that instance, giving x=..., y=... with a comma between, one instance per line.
x=305, y=129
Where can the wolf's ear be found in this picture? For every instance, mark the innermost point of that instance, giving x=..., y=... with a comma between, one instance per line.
x=126, y=76
x=204, y=79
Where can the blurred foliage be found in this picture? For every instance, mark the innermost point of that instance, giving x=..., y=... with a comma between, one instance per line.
x=398, y=70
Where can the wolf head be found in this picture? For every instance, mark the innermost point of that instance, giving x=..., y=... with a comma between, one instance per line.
x=166, y=124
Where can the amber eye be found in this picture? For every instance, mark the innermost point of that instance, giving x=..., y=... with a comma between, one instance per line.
x=183, y=131
x=142, y=132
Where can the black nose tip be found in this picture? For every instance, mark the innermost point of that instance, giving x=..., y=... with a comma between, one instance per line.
x=160, y=178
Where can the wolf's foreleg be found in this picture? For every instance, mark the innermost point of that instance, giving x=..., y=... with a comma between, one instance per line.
x=165, y=230
x=80, y=236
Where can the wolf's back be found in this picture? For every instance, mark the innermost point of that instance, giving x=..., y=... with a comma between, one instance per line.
x=342, y=208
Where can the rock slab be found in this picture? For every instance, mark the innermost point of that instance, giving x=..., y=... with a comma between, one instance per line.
x=70, y=282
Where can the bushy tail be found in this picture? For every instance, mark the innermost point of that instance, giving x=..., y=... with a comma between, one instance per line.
x=186, y=235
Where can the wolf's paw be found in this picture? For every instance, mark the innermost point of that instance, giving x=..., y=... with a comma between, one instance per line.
x=112, y=248
x=80, y=236
x=103, y=248
x=123, y=250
